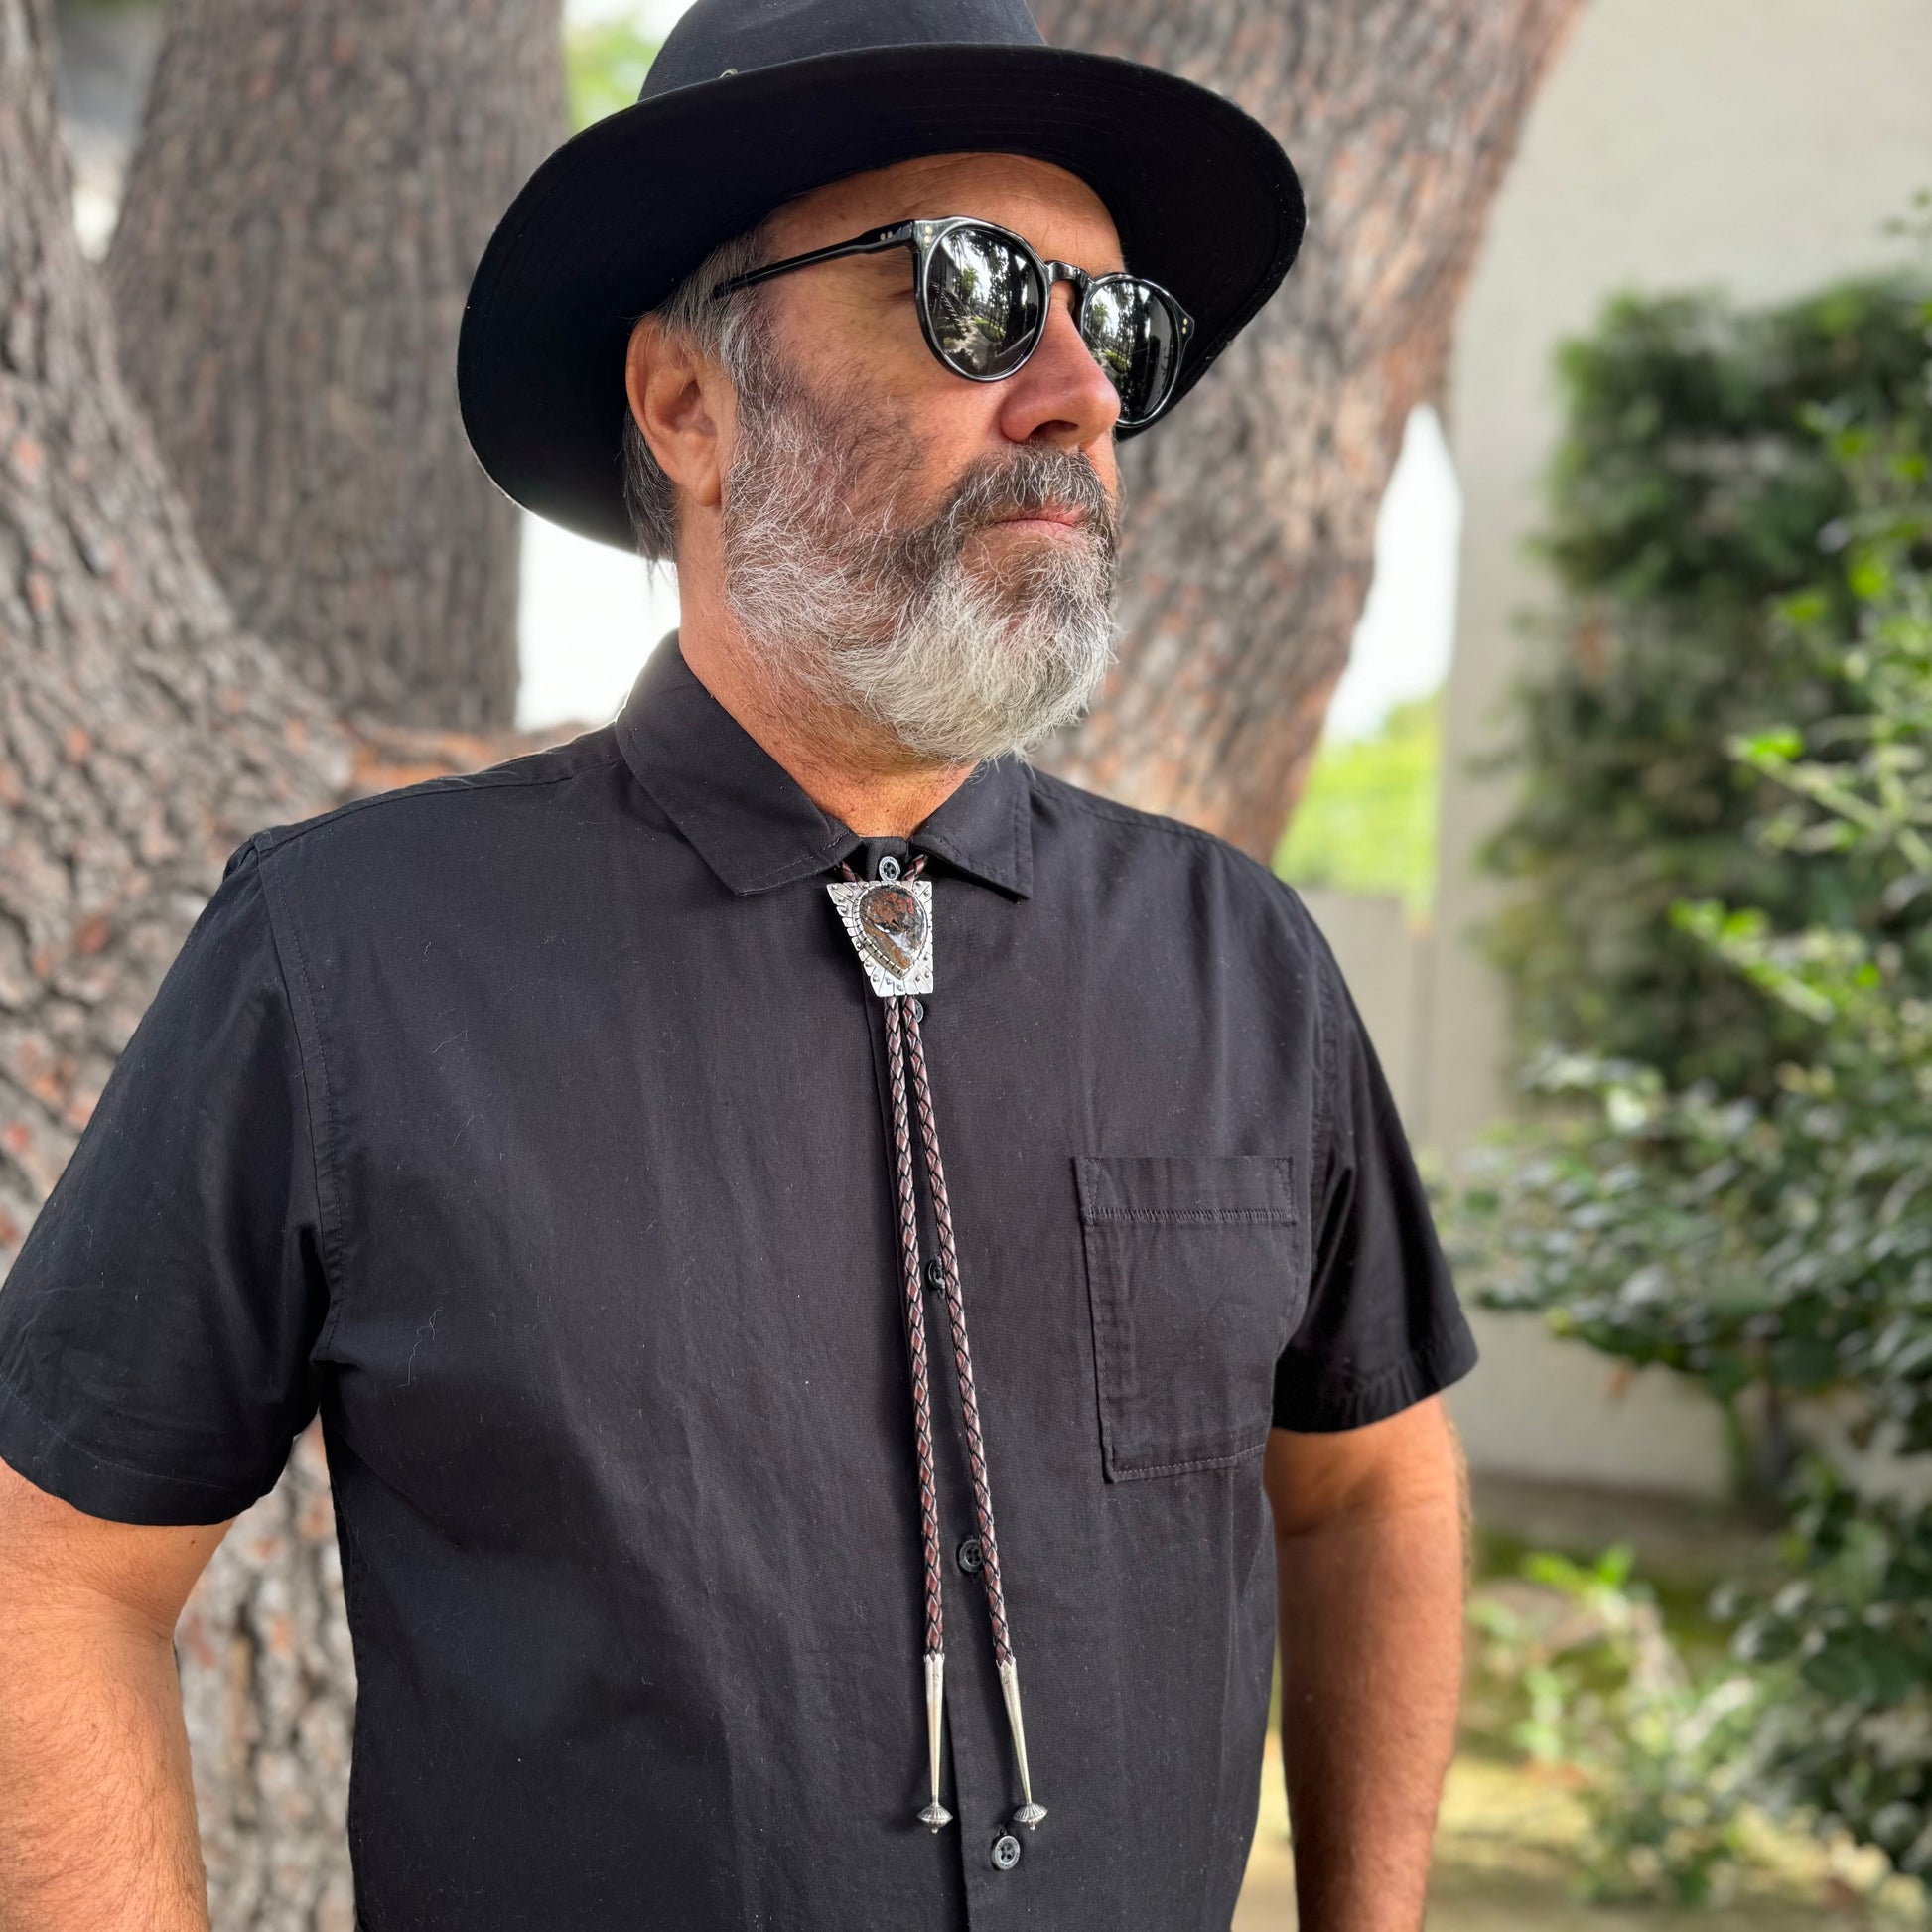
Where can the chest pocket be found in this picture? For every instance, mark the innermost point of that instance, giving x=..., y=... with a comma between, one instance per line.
x=1196, y=1276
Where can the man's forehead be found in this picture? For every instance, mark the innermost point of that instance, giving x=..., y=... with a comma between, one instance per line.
x=1050, y=205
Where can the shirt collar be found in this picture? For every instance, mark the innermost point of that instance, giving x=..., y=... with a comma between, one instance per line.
x=752, y=822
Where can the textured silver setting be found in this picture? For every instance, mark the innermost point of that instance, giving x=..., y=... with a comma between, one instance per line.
x=895, y=950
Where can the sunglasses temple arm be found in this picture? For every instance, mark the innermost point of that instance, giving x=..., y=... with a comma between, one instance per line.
x=874, y=243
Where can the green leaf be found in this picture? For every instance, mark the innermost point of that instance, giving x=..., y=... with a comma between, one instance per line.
x=1865, y=1668
x=1782, y=742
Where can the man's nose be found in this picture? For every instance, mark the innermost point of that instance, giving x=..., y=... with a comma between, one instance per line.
x=1062, y=395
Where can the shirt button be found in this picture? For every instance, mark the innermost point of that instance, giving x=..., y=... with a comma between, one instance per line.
x=971, y=1555
x=935, y=1274
x=1006, y=1852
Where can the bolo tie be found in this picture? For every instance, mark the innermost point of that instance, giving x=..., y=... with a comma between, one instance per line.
x=890, y=922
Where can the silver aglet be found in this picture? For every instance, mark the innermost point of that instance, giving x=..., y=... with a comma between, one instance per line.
x=1029, y=1813
x=935, y=1814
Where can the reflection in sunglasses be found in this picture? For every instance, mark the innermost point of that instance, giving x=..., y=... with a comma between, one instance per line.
x=983, y=299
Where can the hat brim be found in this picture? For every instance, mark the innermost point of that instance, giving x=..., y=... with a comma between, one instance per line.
x=1203, y=199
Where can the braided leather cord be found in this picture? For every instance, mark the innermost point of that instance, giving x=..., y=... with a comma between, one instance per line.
x=935, y=1173
x=905, y=1052
x=908, y=1232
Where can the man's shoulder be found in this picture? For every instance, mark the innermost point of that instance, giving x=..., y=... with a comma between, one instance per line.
x=1165, y=852
x=444, y=804
x=438, y=836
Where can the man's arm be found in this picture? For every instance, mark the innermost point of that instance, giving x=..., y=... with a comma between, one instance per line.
x=1370, y=1559
x=97, y=1829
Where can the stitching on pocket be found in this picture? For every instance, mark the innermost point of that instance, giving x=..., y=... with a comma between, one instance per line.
x=1247, y=1217
x=1276, y=1209
x=1227, y=1461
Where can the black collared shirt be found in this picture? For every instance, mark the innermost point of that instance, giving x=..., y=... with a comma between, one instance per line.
x=532, y=1126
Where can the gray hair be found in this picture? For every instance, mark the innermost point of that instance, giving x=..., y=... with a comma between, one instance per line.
x=730, y=331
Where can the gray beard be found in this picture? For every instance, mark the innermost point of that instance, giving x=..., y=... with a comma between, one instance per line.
x=854, y=607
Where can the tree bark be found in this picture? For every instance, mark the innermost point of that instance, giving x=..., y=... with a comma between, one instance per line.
x=1250, y=539
x=268, y=1688
x=143, y=734
x=314, y=184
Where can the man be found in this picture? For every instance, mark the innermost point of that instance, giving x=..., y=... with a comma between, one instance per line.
x=816, y=1247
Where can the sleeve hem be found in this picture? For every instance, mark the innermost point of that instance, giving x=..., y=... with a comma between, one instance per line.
x=1336, y=1403
x=98, y=1485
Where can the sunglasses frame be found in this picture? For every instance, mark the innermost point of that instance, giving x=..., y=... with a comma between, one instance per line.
x=924, y=235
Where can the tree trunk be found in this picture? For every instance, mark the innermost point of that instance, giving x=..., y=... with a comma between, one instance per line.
x=314, y=184
x=1252, y=529
x=143, y=734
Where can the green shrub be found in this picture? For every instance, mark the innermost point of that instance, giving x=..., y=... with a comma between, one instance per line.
x=1690, y=492
x=1655, y=1752
x=1780, y=1244
x=1776, y=1241
x=1845, y=1738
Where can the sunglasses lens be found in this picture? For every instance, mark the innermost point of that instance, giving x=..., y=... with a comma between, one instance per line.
x=1132, y=332
x=985, y=300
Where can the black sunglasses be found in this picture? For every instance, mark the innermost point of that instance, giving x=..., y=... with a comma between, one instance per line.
x=983, y=294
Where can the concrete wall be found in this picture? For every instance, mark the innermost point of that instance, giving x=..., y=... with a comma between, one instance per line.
x=1385, y=960
x=1757, y=146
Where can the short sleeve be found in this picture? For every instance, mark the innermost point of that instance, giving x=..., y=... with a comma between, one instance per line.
x=156, y=1326
x=1383, y=1327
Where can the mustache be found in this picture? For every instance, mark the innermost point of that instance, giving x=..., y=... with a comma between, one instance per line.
x=1029, y=482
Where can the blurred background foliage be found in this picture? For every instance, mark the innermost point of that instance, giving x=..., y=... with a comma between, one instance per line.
x=1731, y=1168
x=1691, y=489
x=1367, y=821
x=1586, y=1677
x=605, y=60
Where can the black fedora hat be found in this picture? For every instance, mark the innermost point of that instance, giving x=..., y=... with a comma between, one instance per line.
x=752, y=102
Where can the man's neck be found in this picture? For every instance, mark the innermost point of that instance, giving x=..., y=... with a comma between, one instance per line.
x=844, y=765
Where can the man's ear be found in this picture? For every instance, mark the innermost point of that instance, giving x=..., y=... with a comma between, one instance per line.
x=682, y=402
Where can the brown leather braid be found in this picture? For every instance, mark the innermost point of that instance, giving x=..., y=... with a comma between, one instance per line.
x=935, y=1173
x=908, y=1231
